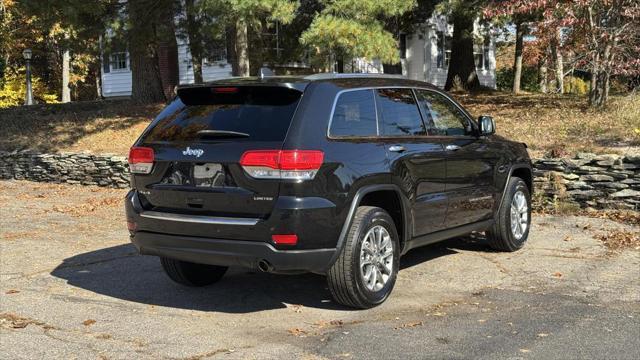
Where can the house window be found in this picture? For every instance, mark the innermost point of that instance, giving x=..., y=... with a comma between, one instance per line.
x=216, y=53
x=118, y=61
x=487, y=47
x=444, y=50
x=481, y=54
x=403, y=46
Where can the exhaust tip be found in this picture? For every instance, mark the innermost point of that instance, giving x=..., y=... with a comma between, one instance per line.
x=264, y=266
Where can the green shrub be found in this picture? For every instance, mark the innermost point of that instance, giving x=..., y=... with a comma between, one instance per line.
x=575, y=85
x=13, y=90
x=528, y=79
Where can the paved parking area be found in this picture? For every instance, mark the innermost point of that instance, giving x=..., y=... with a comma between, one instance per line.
x=71, y=286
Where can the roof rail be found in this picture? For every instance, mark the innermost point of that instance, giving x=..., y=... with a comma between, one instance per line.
x=328, y=76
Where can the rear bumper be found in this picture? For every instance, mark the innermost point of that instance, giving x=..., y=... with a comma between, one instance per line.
x=231, y=252
x=155, y=236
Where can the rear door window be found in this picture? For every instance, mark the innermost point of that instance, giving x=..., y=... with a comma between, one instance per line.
x=354, y=115
x=235, y=113
x=398, y=112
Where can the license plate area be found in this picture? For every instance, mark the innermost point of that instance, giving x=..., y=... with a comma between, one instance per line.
x=209, y=175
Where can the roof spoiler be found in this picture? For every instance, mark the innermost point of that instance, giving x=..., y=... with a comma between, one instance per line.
x=237, y=94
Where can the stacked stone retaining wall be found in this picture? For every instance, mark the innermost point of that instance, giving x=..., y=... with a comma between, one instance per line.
x=589, y=180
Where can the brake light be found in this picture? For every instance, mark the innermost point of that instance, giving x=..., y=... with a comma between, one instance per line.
x=282, y=164
x=291, y=239
x=141, y=160
x=225, y=90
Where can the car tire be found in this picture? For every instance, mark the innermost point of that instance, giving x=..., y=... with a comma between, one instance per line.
x=192, y=274
x=362, y=276
x=512, y=222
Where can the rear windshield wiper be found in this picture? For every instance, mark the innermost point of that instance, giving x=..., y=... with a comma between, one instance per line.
x=221, y=134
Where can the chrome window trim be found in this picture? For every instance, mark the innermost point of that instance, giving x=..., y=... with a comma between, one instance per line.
x=373, y=88
x=199, y=219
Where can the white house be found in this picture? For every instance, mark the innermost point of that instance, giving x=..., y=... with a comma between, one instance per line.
x=425, y=56
x=116, y=71
x=428, y=52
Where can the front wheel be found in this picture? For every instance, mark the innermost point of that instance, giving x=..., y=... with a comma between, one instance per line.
x=512, y=222
x=365, y=272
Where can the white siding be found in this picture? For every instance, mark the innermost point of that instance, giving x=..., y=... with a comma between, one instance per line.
x=415, y=62
x=116, y=83
x=210, y=72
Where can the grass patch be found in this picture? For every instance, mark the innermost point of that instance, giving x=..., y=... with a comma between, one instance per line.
x=549, y=124
x=562, y=125
x=96, y=126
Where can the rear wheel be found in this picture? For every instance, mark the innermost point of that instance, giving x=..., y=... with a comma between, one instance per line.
x=512, y=222
x=192, y=274
x=366, y=270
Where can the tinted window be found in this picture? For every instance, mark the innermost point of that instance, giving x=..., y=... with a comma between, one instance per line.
x=444, y=115
x=399, y=113
x=354, y=115
x=262, y=113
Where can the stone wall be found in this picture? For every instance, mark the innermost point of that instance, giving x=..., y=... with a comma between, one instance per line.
x=600, y=181
x=72, y=168
x=590, y=180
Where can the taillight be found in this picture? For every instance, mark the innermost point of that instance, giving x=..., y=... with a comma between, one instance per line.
x=282, y=164
x=289, y=239
x=141, y=160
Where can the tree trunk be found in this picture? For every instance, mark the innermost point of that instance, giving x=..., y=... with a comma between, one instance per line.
x=557, y=57
x=145, y=73
x=517, y=64
x=462, y=67
x=242, y=48
x=98, y=84
x=230, y=44
x=66, y=93
x=195, y=40
x=600, y=78
x=542, y=75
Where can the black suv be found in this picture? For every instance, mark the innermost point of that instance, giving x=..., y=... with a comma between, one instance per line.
x=332, y=174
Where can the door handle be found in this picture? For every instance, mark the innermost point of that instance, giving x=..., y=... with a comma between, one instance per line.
x=452, y=147
x=397, y=148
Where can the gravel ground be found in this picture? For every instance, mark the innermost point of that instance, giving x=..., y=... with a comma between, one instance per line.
x=71, y=286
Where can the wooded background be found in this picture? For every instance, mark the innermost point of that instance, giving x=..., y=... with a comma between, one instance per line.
x=556, y=46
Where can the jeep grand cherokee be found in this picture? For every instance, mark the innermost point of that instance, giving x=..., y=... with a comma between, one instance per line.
x=332, y=174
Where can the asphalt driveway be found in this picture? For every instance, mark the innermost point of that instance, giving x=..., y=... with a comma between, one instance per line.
x=71, y=286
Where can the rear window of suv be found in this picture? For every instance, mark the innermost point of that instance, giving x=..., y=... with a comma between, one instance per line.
x=235, y=113
x=354, y=114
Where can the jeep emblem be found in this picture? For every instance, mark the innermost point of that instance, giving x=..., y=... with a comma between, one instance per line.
x=196, y=152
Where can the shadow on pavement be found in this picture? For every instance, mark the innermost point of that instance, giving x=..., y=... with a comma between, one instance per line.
x=121, y=273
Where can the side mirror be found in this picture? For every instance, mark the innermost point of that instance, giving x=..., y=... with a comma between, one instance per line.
x=487, y=125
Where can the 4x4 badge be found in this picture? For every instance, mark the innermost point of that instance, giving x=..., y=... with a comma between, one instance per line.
x=196, y=152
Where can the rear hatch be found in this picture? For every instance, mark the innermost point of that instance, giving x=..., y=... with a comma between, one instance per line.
x=198, y=142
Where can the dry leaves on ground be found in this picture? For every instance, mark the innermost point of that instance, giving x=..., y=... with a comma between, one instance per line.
x=89, y=206
x=409, y=325
x=619, y=239
x=11, y=320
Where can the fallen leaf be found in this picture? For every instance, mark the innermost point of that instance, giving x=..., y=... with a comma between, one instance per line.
x=297, y=332
x=12, y=291
x=409, y=325
x=88, y=322
x=557, y=274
